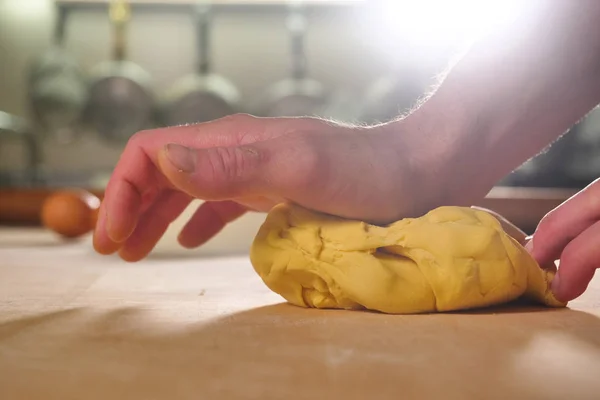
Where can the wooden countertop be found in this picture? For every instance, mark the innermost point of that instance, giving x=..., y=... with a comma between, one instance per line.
x=74, y=325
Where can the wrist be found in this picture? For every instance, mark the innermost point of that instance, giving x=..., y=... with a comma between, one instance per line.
x=451, y=162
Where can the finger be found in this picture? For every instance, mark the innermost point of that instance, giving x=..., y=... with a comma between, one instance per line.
x=275, y=167
x=106, y=243
x=564, y=223
x=126, y=196
x=102, y=243
x=578, y=263
x=153, y=224
x=208, y=220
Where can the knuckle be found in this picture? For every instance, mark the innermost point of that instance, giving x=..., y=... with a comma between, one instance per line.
x=136, y=144
x=240, y=128
x=549, y=223
x=243, y=116
x=231, y=164
x=238, y=118
x=592, y=196
x=137, y=138
x=219, y=163
x=570, y=256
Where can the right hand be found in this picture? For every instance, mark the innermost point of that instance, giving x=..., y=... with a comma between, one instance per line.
x=571, y=233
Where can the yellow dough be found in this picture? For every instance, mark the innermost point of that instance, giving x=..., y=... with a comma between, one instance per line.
x=452, y=258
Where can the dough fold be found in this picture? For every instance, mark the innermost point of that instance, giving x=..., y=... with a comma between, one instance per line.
x=452, y=258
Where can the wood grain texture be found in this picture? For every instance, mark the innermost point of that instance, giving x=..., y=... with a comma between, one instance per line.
x=74, y=325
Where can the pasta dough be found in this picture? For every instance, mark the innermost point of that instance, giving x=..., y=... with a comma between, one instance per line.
x=452, y=258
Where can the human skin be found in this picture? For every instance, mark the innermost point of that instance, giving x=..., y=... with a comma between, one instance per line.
x=500, y=104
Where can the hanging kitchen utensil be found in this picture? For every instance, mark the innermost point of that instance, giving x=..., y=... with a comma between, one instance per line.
x=204, y=95
x=57, y=89
x=121, y=100
x=298, y=95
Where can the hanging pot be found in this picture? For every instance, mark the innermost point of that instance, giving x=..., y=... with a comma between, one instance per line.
x=121, y=100
x=57, y=89
x=203, y=95
x=298, y=95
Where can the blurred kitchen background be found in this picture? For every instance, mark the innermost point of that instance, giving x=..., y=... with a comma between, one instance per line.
x=68, y=108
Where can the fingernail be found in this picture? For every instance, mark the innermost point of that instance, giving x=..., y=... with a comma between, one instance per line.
x=111, y=232
x=555, y=286
x=181, y=157
x=107, y=221
x=108, y=227
x=529, y=244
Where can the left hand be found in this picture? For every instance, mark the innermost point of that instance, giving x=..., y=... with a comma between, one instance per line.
x=241, y=163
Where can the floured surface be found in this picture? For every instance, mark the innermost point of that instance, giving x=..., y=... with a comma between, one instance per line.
x=78, y=326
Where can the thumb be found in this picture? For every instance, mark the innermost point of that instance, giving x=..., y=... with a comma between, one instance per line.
x=212, y=173
x=220, y=173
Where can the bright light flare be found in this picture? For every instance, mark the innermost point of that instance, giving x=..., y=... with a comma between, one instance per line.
x=435, y=23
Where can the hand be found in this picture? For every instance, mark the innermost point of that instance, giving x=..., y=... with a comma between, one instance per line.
x=242, y=163
x=570, y=233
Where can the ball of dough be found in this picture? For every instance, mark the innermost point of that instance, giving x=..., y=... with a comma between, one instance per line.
x=452, y=258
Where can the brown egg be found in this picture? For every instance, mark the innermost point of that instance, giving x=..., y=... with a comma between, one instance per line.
x=70, y=213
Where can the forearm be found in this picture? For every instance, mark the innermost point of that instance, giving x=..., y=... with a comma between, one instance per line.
x=514, y=93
